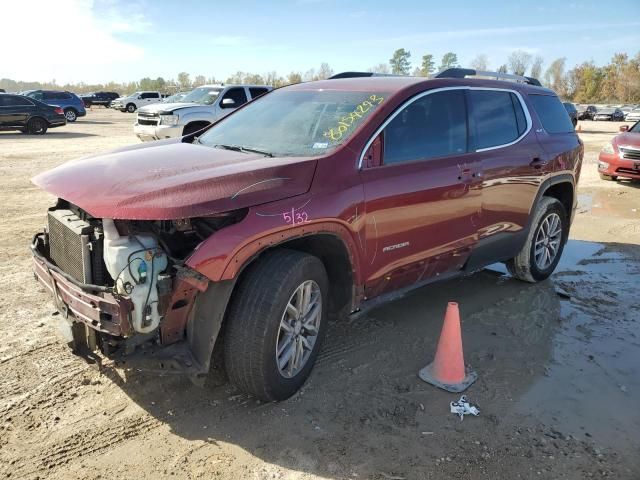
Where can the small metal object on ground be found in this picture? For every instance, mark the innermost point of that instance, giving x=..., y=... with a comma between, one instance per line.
x=462, y=407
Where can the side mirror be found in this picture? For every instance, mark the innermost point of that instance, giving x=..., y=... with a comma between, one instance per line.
x=139, y=97
x=228, y=102
x=624, y=128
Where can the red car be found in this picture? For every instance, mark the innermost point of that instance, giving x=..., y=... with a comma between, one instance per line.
x=317, y=199
x=621, y=156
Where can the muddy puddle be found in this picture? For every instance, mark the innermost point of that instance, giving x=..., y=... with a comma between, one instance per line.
x=609, y=203
x=592, y=380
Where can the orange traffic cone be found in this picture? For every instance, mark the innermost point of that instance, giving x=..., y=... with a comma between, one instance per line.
x=579, y=128
x=447, y=371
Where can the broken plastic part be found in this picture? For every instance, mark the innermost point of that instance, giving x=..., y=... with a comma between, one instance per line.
x=462, y=407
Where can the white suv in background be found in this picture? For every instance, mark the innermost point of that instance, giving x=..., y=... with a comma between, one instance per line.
x=197, y=110
x=136, y=100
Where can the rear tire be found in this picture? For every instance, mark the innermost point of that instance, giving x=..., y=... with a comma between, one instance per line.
x=131, y=108
x=71, y=115
x=546, y=239
x=269, y=347
x=37, y=126
x=608, y=177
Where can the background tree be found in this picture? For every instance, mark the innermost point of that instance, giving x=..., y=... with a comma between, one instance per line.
x=294, y=77
x=400, y=64
x=380, y=68
x=555, y=77
x=428, y=65
x=481, y=62
x=502, y=68
x=519, y=62
x=449, y=60
x=536, y=67
x=184, y=80
x=199, y=81
x=324, y=72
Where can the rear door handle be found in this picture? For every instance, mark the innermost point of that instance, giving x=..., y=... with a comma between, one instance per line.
x=538, y=162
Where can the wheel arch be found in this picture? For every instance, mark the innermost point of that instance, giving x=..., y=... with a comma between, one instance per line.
x=561, y=188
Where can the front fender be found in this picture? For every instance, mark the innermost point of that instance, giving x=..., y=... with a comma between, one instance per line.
x=227, y=252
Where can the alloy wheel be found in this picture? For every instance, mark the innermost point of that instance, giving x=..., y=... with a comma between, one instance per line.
x=547, y=242
x=299, y=329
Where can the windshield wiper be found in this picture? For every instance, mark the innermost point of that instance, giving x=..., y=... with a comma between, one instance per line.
x=240, y=148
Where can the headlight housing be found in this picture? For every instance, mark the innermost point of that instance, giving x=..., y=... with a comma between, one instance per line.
x=168, y=119
x=608, y=148
x=602, y=165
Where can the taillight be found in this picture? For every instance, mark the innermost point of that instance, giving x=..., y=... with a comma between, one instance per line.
x=59, y=111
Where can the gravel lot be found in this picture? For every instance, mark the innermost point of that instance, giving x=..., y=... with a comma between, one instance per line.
x=558, y=377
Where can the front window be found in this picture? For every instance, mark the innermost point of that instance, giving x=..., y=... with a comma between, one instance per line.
x=202, y=95
x=296, y=122
x=635, y=128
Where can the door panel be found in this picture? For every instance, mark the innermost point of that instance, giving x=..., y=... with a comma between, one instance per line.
x=422, y=207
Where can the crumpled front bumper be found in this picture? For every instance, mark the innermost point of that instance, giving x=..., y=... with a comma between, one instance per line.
x=93, y=305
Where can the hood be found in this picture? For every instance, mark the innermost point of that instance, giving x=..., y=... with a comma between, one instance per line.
x=167, y=107
x=628, y=138
x=173, y=180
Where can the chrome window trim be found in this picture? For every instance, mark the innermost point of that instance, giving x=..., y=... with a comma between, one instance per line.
x=444, y=89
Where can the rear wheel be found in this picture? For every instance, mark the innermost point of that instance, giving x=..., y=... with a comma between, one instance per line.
x=37, y=126
x=131, y=108
x=608, y=177
x=71, y=115
x=274, y=329
x=546, y=239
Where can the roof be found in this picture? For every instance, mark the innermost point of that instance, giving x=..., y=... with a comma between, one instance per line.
x=393, y=84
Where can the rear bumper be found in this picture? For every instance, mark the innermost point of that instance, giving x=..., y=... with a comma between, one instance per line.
x=611, y=164
x=100, y=310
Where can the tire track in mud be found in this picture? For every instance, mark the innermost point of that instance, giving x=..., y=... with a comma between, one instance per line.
x=83, y=443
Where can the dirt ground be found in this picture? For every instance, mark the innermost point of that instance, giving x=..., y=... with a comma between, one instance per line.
x=558, y=365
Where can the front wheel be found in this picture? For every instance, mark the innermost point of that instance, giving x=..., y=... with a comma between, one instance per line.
x=544, y=244
x=131, y=108
x=275, y=324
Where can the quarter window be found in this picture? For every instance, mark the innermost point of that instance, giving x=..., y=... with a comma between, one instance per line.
x=257, y=91
x=498, y=118
x=432, y=126
x=552, y=113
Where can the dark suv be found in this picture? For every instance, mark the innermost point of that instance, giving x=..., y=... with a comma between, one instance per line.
x=28, y=115
x=323, y=198
x=72, y=105
x=99, y=98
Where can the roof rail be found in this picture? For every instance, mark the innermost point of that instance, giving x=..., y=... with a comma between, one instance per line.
x=469, y=72
x=361, y=74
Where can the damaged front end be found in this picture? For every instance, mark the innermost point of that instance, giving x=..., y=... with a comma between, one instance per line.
x=122, y=286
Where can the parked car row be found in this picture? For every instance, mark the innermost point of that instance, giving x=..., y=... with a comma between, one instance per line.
x=99, y=98
x=621, y=156
x=70, y=103
x=608, y=112
x=28, y=115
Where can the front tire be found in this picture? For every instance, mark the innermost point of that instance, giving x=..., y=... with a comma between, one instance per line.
x=546, y=239
x=275, y=324
x=131, y=108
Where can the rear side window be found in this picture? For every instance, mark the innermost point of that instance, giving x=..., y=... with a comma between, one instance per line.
x=433, y=126
x=498, y=118
x=256, y=91
x=552, y=114
x=13, y=101
x=150, y=95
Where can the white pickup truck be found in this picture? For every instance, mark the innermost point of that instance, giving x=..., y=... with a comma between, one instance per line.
x=194, y=112
x=136, y=100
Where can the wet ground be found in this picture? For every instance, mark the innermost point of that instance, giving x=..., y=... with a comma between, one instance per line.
x=558, y=365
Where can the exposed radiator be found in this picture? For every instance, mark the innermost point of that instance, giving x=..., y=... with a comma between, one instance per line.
x=74, y=248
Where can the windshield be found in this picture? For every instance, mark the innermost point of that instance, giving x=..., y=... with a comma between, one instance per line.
x=203, y=95
x=175, y=98
x=635, y=128
x=295, y=123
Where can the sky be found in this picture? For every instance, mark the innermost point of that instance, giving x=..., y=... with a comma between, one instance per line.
x=95, y=41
